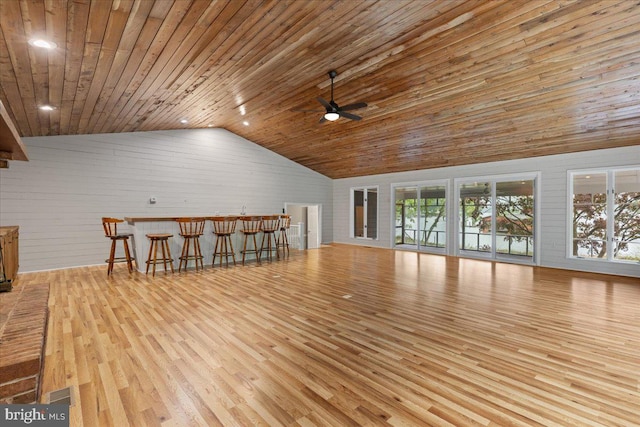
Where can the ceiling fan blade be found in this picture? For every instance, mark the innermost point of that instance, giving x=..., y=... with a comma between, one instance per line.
x=349, y=115
x=322, y=120
x=326, y=105
x=355, y=106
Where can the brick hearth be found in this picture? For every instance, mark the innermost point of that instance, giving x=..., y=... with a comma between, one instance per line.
x=23, y=325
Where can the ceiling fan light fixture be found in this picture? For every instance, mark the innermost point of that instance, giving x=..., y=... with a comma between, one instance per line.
x=331, y=116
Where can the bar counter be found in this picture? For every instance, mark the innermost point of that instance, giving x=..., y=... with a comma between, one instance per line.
x=141, y=226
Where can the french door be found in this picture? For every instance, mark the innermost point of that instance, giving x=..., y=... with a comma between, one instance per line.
x=496, y=218
x=421, y=216
x=364, y=215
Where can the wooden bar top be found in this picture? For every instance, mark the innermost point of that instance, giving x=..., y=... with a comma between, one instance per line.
x=152, y=219
x=132, y=220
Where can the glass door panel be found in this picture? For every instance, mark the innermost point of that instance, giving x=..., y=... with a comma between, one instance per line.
x=626, y=211
x=372, y=214
x=433, y=216
x=514, y=218
x=476, y=217
x=590, y=215
x=358, y=213
x=420, y=216
x=406, y=216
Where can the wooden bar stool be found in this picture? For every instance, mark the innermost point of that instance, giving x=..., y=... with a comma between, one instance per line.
x=110, y=226
x=251, y=225
x=224, y=227
x=270, y=224
x=191, y=229
x=283, y=237
x=163, y=241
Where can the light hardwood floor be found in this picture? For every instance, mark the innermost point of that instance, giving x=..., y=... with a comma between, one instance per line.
x=344, y=336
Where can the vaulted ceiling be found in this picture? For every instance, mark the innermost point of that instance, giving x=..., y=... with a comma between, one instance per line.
x=446, y=82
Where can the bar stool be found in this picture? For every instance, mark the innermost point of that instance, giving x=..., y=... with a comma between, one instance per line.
x=283, y=237
x=163, y=241
x=110, y=226
x=251, y=225
x=191, y=229
x=224, y=227
x=270, y=224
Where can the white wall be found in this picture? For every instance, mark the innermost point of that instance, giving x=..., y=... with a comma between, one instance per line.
x=553, y=215
x=70, y=182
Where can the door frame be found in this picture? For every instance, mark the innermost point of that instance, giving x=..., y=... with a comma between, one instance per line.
x=446, y=183
x=493, y=179
x=304, y=235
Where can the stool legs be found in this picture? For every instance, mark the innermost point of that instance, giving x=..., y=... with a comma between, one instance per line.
x=283, y=241
x=127, y=255
x=270, y=237
x=153, y=255
x=166, y=256
x=112, y=255
x=223, y=243
x=197, y=253
x=255, y=247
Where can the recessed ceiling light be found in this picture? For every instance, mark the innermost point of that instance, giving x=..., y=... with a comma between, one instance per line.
x=209, y=126
x=246, y=123
x=184, y=121
x=42, y=43
x=46, y=108
x=243, y=110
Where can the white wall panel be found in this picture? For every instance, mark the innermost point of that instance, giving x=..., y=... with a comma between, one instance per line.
x=553, y=215
x=70, y=182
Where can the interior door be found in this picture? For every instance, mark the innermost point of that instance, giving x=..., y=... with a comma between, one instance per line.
x=313, y=227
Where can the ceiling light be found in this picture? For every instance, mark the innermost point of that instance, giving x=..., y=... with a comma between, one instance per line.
x=331, y=116
x=246, y=123
x=46, y=108
x=42, y=43
x=243, y=110
x=209, y=126
x=184, y=121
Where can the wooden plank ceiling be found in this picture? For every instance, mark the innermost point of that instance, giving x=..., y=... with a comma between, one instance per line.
x=446, y=82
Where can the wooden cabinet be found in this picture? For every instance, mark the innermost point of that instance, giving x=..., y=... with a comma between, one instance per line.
x=9, y=251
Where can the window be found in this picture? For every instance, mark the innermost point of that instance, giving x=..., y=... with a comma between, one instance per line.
x=605, y=214
x=365, y=212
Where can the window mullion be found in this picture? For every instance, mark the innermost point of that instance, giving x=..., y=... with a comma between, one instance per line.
x=611, y=220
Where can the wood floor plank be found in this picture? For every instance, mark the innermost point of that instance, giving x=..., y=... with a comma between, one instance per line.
x=345, y=336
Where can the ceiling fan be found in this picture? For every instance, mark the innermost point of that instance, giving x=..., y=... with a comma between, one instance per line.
x=333, y=110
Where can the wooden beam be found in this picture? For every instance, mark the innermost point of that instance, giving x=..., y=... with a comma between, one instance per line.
x=10, y=141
